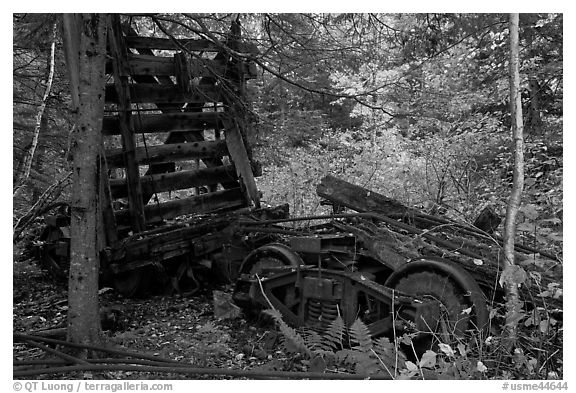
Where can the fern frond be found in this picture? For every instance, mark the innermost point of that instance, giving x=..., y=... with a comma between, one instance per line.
x=334, y=334
x=346, y=356
x=383, y=347
x=388, y=353
x=313, y=339
x=361, y=335
x=293, y=341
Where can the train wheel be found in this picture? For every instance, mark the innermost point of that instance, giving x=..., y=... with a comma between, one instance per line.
x=268, y=256
x=442, y=318
x=451, y=307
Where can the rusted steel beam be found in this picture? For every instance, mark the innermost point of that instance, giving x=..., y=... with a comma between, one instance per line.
x=169, y=153
x=177, y=180
x=206, y=203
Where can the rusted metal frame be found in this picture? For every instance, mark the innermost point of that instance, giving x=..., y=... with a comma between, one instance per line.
x=379, y=217
x=280, y=231
x=121, y=72
x=377, y=248
x=353, y=284
x=277, y=280
x=323, y=243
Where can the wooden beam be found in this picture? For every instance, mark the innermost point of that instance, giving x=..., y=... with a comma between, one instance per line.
x=108, y=221
x=205, y=203
x=166, y=122
x=121, y=88
x=177, y=180
x=167, y=94
x=358, y=198
x=183, y=73
x=141, y=65
x=140, y=247
x=168, y=153
x=237, y=151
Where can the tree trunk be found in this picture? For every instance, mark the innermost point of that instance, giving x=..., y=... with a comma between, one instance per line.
x=511, y=275
x=534, y=119
x=83, y=317
x=29, y=155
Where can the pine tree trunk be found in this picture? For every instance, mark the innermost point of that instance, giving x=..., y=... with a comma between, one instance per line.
x=510, y=277
x=83, y=316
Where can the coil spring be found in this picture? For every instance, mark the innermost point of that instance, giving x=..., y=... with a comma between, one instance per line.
x=321, y=311
x=314, y=310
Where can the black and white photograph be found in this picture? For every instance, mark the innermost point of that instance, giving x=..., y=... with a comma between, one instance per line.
x=287, y=196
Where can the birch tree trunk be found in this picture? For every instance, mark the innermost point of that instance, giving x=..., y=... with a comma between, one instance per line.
x=90, y=52
x=512, y=276
x=29, y=156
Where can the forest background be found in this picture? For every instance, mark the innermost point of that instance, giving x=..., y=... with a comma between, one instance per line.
x=411, y=105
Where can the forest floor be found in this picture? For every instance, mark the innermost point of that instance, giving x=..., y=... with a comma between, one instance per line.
x=172, y=327
x=187, y=329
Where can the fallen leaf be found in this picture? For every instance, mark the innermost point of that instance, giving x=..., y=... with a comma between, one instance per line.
x=428, y=359
x=481, y=367
x=446, y=349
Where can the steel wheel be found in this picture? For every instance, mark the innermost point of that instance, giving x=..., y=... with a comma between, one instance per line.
x=443, y=317
x=268, y=256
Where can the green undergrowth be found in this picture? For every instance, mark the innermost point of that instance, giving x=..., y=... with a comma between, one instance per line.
x=336, y=348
